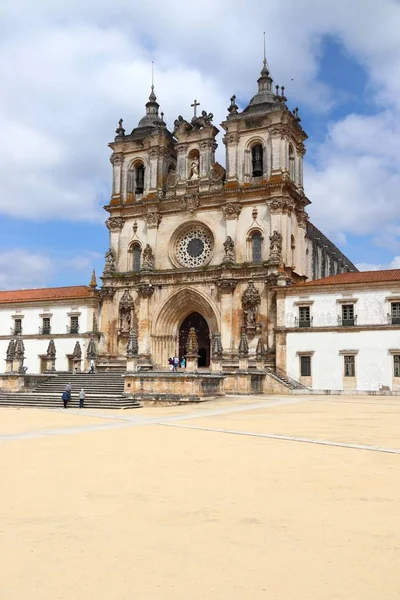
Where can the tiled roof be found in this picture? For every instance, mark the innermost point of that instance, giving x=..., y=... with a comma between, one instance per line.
x=357, y=277
x=57, y=293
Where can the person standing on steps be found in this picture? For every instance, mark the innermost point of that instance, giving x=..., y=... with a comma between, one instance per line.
x=65, y=398
x=81, y=398
x=91, y=371
x=68, y=388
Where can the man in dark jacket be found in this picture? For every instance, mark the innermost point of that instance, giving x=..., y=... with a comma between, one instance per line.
x=65, y=397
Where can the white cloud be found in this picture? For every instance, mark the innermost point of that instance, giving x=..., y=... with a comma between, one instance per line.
x=394, y=264
x=69, y=71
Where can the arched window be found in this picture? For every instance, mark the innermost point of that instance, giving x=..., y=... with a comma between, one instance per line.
x=257, y=160
x=256, y=240
x=292, y=168
x=136, y=257
x=139, y=179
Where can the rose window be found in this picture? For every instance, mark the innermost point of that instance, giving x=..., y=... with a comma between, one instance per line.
x=194, y=246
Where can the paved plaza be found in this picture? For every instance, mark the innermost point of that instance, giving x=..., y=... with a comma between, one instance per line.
x=238, y=498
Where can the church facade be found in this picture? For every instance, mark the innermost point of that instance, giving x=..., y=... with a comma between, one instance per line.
x=196, y=244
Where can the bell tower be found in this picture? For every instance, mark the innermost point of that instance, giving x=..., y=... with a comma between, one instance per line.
x=265, y=139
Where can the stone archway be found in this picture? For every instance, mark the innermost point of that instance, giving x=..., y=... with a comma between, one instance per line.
x=199, y=323
x=169, y=318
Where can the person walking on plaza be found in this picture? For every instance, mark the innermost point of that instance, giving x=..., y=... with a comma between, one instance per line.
x=176, y=363
x=91, y=367
x=171, y=364
x=81, y=398
x=183, y=363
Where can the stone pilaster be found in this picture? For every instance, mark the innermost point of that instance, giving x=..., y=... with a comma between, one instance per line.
x=226, y=288
x=145, y=291
x=117, y=160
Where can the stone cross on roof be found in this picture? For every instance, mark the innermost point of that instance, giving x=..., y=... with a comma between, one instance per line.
x=195, y=105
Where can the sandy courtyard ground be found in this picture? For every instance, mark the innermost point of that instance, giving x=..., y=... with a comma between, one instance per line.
x=242, y=499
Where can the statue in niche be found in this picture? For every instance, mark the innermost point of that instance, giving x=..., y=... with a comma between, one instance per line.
x=249, y=317
x=147, y=258
x=229, y=247
x=194, y=169
x=275, y=247
x=125, y=320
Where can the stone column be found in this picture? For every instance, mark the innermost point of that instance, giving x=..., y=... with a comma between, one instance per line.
x=153, y=166
x=116, y=161
x=145, y=291
x=226, y=288
x=231, y=212
x=231, y=142
x=276, y=143
x=181, y=162
x=207, y=156
x=114, y=225
x=153, y=220
x=18, y=365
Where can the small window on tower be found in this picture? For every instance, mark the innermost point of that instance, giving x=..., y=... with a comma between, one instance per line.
x=137, y=257
x=257, y=160
x=256, y=240
x=139, y=179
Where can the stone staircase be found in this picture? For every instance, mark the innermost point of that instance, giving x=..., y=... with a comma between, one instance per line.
x=285, y=380
x=103, y=390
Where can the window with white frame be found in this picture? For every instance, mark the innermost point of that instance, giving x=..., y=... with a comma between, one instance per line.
x=17, y=326
x=349, y=365
x=348, y=314
x=304, y=316
x=395, y=313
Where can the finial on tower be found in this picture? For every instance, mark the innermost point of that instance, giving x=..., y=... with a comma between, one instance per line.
x=93, y=281
x=265, y=69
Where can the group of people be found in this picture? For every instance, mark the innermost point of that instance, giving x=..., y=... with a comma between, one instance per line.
x=174, y=363
x=66, y=396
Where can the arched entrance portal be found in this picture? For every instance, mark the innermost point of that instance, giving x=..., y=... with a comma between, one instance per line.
x=197, y=321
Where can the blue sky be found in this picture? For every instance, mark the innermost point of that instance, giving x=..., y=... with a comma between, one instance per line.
x=69, y=71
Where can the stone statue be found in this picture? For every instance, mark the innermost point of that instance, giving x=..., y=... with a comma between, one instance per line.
x=275, y=247
x=109, y=266
x=194, y=169
x=204, y=120
x=229, y=247
x=147, y=258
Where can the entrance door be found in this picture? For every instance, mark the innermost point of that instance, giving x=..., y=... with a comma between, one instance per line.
x=203, y=337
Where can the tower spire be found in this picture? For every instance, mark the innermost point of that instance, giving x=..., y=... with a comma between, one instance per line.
x=265, y=69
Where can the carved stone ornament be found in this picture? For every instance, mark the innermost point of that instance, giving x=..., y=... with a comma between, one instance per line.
x=115, y=223
x=190, y=202
x=107, y=293
x=147, y=259
x=117, y=159
x=135, y=227
x=227, y=286
x=204, y=120
x=77, y=353
x=243, y=344
x=275, y=247
x=171, y=180
x=192, y=345
x=109, y=266
x=126, y=300
x=260, y=350
x=283, y=204
x=145, y=290
x=250, y=300
x=229, y=247
x=231, y=210
x=302, y=218
x=217, y=349
x=217, y=173
x=272, y=279
x=19, y=348
x=51, y=349
x=231, y=138
x=132, y=348
x=10, y=350
x=153, y=152
x=91, y=349
x=180, y=126
x=153, y=219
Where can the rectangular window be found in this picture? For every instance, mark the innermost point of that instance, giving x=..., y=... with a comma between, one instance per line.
x=304, y=316
x=305, y=366
x=395, y=313
x=74, y=325
x=17, y=326
x=347, y=314
x=396, y=365
x=46, y=329
x=349, y=366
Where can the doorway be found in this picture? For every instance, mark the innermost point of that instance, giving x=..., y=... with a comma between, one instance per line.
x=197, y=321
